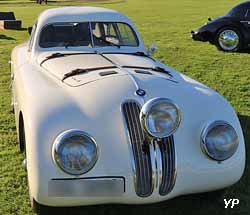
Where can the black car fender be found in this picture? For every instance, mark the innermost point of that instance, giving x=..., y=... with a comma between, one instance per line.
x=245, y=33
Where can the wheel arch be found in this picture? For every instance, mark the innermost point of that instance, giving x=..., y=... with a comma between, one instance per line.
x=239, y=26
x=21, y=132
x=227, y=26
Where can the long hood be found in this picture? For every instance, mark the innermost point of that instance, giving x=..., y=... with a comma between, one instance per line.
x=101, y=66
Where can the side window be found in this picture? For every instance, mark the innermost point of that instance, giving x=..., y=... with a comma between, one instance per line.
x=247, y=15
x=127, y=35
x=31, y=41
x=110, y=30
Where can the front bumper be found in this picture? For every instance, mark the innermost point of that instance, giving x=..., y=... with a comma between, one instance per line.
x=121, y=190
x=199, y=36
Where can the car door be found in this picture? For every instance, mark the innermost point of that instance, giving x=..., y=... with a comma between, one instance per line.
x=246, y=19
x=247, y=15
x=246, y=23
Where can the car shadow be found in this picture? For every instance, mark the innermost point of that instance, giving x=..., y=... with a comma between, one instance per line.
x=210, y=203
x=244, y=51
x=21, y=29
x=4, y=37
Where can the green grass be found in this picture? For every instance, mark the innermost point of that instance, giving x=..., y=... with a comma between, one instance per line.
x=166, y=23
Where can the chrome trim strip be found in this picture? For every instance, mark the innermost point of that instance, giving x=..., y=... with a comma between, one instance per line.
x=174, y=172
x=130, y=74
x=248, y=22
x=246, y=13
x=91, y=34
x=159, y=164
x=153, y=164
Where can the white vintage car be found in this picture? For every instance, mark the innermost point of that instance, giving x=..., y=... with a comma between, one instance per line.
x=100, y=121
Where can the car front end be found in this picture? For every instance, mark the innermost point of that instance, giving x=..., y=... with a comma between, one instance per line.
x=132, y=149
x=207, y=32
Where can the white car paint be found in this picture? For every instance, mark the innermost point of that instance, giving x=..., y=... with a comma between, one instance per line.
x=93, y=104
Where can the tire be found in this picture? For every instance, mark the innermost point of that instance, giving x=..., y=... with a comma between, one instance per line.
x=229, y=39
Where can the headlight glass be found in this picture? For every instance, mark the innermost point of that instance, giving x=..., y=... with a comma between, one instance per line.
x=75, y=152
x=220, y=140
x=160, y=117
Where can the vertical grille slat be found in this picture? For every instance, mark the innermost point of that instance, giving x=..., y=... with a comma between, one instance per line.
x=131, y=112
x=168, y=162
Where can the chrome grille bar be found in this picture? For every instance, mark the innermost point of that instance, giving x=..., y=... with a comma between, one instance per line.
x=143, y=179
x=167, y=149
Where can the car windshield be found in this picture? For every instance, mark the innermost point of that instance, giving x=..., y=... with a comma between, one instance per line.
x=237, y=11
x=95, y=34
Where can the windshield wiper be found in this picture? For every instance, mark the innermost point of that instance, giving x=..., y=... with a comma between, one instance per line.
x=58, y=54
x=142, y=54
x=82, y=71
x=106, y=41
x=155, y=69
x=54, y=55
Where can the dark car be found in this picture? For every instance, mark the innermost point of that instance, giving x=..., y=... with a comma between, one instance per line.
x=230, y=32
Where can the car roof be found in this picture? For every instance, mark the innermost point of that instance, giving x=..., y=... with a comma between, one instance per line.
x=73, y=14
x=243, y=4
x=80, y=14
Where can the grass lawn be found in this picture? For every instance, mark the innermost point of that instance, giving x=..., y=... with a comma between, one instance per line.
x=166, y=23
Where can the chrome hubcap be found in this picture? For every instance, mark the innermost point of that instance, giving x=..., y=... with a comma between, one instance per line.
x=229, y=40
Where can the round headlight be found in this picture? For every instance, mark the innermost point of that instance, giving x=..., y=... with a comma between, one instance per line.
x=75, y=152
x=219, y=140
x=160, y=117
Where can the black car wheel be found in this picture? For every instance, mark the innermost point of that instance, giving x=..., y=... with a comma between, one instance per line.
x=228, y=39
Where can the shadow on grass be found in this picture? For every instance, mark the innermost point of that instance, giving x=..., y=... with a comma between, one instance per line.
x=4, y=37
x=244, y=51
x=22, y=29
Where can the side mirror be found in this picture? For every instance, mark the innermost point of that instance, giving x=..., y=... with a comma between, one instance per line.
x=151, y=49
x=209, y=19
x=29, y=30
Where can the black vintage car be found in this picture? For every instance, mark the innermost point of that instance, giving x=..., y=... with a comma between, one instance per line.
x=230, y=32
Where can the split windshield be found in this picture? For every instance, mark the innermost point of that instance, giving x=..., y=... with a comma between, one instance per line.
x=95, y=34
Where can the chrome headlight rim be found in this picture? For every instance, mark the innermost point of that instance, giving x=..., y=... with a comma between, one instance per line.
x=145, y=112
x=67, y=134
x=204, y=134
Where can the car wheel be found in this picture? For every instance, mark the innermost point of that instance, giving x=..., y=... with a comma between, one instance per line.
x=229, y=39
